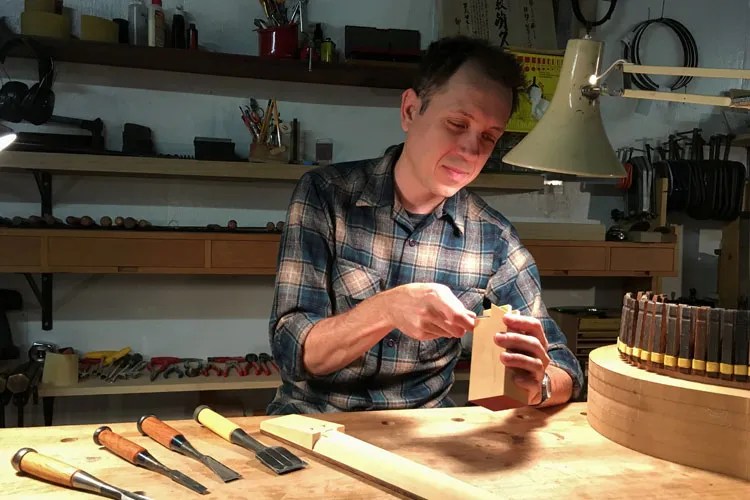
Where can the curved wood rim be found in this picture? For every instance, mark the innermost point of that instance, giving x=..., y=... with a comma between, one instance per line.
x=682, y=421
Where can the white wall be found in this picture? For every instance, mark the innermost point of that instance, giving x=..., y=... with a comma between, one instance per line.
x=203, y=316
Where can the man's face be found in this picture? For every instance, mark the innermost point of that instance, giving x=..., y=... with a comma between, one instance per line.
x=448, y=144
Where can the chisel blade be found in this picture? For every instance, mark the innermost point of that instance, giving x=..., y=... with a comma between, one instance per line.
x=184, y=480
x=225, y=473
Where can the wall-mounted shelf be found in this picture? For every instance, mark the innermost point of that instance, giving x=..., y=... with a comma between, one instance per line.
x=386, y=75
x=135, y=166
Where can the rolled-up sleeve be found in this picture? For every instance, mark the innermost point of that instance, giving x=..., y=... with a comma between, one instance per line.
x=517, y=283
x=301, y=291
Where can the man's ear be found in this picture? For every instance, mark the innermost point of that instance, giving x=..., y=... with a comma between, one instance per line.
x=410, y=106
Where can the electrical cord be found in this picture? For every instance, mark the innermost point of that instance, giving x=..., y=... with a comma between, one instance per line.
x=632, y=52
x=591, y=24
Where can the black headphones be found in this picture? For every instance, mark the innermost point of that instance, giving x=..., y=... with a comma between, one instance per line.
x=18, y=101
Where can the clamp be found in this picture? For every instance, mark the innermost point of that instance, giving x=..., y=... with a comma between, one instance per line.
x=160, y=363
x=193, y=366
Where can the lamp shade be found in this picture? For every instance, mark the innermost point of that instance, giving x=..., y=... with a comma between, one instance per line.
x=570, y=137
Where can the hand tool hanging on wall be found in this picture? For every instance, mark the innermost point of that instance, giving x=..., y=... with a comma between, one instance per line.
x=29, y=461
x=278, y=459
x=151, y=426
x=138, y=455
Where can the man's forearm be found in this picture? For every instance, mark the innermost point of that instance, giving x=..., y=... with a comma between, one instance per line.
x=335, y=342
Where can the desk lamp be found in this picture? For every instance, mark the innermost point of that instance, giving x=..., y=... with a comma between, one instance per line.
x=570, y=137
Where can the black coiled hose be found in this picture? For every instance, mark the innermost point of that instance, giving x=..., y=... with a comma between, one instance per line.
x=632, y=52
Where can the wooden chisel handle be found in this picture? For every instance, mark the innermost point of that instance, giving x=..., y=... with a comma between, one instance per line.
x=33, y=463
x=221, y=426
x=120, y=446
x=157, y=430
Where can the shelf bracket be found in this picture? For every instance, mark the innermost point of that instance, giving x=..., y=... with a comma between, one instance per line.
x=44, y=183
x=43, y=296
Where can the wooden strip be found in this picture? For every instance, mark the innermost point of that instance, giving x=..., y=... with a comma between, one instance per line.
x=741, y=345
x=656, y=95
x=686, y=337
x=699, y=345
x=686, y=71
x=328, y=440
x=727, y=344
x=673, y=336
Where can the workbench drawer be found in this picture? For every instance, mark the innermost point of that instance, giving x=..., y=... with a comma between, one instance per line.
x=134, y=253
x=258, y=255
x=20, y=251
x=569, y=258
x=654, y=260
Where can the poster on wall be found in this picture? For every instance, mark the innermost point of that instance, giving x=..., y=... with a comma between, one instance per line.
x=507, y=23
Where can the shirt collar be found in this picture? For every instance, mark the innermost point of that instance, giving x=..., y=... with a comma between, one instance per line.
x=379, y=191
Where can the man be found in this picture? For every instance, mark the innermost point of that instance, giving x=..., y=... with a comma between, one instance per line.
x=385, y=263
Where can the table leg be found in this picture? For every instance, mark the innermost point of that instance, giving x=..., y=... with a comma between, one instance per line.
x=48, y=405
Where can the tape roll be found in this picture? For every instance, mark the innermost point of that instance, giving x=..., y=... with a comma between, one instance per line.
x=45, y=24
x=39, y=6
x=99, y=29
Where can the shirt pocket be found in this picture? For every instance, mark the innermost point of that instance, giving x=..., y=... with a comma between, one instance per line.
x=352, y=283
x=435, y=351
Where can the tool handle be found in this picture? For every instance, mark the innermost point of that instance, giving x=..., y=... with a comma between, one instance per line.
x=157, y=430
x=215, y=422
x=33, y=463
x=120, y=446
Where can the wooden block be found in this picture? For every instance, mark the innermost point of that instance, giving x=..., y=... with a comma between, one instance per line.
x=491, y=385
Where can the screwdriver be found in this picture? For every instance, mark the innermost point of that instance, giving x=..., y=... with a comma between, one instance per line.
x=138, y=455
x=150, y=425
x=29, y=461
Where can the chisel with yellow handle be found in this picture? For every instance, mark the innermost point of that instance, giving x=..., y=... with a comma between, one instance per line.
x=29, y=461
x=278, y=459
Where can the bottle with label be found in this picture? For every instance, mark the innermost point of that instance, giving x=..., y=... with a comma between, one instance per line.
x=156, y=24
x=138, y=23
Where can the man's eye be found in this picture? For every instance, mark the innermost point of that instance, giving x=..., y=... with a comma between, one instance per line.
x=489, y=138
x=456, y=124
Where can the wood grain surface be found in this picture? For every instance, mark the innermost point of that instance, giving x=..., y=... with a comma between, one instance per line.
x=523, y=453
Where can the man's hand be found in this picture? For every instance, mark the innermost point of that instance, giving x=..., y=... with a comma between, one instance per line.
x=427, y=311
x=526, y=347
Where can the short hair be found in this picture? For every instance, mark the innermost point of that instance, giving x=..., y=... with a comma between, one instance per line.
x=445, y=56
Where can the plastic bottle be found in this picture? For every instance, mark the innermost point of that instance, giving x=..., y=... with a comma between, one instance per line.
x=138, y=23
x=156, y=24
x=178, y=28
x=192, y=37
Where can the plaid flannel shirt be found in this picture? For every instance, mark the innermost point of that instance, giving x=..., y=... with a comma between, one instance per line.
x=347, y=238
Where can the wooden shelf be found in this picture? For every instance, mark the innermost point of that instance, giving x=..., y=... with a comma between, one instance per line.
x=129, y=166
x=143, y=385
x=384, y=75
x=118, y=251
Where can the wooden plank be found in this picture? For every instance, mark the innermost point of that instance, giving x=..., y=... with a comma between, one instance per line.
x=134, y=166
x=22, y=251
x=387, y=75
x=656, y=95
x=686, y=71
x=143, y=384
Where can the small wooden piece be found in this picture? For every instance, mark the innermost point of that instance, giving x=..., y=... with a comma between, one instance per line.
x=328, y=440
x=491, y=385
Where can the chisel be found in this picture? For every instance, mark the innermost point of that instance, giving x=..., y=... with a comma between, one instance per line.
x=151, y=426
x=29, y=461
x=138, y=455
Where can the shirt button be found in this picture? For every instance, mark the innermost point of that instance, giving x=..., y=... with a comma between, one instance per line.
x=391, y=343
x=412, y=243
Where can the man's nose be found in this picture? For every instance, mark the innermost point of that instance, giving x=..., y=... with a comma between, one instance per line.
x=469, y=145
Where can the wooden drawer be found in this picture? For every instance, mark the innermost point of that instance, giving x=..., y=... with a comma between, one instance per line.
x=126, y=252
x=653, y=260
x=569, y=258
x=259, y=255
x=20, y=251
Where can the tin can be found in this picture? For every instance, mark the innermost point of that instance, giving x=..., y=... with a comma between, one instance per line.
x=327, y=49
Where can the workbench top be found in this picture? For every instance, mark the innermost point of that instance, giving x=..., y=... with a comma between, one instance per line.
x=525, y=453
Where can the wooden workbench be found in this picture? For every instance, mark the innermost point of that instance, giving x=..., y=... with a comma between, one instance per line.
x=524, y=453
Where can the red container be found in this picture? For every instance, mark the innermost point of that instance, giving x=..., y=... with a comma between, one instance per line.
x=279, y=41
